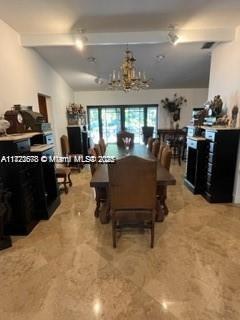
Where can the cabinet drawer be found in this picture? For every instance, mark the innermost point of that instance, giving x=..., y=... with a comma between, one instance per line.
x=49, y=139
x=22, y=146
x=211, y=157
x=192, y=143
x=209, y=178
x=210, y=135
x=210, y=167
x=191, y=132
x=212, y=147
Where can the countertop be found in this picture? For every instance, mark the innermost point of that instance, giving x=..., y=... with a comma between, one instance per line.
x=41, y=147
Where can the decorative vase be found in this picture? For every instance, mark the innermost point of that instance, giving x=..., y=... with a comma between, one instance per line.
x=171, y=121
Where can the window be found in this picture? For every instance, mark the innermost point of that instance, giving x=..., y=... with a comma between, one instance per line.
x=106, y=121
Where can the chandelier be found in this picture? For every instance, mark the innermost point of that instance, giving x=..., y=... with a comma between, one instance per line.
x=128, y=78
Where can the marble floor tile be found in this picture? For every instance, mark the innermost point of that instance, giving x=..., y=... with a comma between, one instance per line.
x=66, y=269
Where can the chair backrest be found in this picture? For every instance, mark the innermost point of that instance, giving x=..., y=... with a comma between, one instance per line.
x=102, y=145
x=166, y=157
x=150, y=143
x=97, y=150
x=93, y=165
x=122, y=135
x=162, y=147
x=136, y=190
x=147, y=133
x=155, y=147
x=65, y=145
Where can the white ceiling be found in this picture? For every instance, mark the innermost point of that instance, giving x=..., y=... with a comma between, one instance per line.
x=60, y=16
x=185, y=65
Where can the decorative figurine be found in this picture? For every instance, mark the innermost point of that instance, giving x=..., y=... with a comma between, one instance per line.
x=234, y=116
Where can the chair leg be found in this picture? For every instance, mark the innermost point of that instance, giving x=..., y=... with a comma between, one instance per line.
x=152, y=235
x=96, y=213
x=69, y=179
x=65, y=185
x=114, y=231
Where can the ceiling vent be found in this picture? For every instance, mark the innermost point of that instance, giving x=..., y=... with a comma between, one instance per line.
x=208, y=45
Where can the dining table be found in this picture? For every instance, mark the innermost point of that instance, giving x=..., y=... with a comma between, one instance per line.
x=100, y=177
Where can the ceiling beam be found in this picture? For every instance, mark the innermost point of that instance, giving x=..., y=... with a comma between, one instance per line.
x=145, y=37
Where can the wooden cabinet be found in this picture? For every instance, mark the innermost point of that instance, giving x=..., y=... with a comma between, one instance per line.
x=220, y=164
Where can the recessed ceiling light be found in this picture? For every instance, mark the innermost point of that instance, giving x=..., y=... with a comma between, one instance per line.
x=99, y=81
x=80, y=39
x=160, y=57
x=91, y=59
x=173, y=37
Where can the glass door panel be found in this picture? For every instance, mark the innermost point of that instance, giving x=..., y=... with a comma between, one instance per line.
x=152, y=118
x=94, y=125
x=134, y=121
x=111, y=124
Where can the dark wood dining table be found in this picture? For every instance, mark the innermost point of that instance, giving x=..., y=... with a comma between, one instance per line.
x=100, y=177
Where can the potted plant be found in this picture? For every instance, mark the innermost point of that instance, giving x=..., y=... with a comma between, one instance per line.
x=173, y=107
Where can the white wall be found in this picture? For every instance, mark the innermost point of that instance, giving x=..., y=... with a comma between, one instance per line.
x=24, y=74
x=195, y=97
x=225, y=80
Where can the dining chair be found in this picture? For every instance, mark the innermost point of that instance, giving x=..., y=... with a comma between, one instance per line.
x=150, y=143
x=132, y=196
x=97, y=150
x=155, y=147
x=102, y=146
x=166, y=157
x=66, y=153
x=122, y=135
x=100, y=192
x=147, y=133
x=162, y=190
x=159, y=156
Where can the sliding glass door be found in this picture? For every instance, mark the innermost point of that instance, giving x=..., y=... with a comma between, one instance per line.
x=111, y=123
x=134, y=121
x=106, y=121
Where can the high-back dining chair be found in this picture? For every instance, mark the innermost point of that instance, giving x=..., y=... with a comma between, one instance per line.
x=147, y=133
x=100, y=192
x=97, y=150
x=102, y=146
x=160, y=152
x=155, y=147
x=65, y=145
x=122, y=135
x=132, y=196
x=66, y=153
x=150, y=143
x=166, y=157
x=162, y=190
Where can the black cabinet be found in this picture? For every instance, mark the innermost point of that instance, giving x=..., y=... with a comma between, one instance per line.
x=33, y=186
x=196, y=154
x=18, y=178
x=46, y=188
x=220, y=164
x=78, y=140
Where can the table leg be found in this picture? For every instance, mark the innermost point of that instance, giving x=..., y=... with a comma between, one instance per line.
x=159, y=211
x=104, y=213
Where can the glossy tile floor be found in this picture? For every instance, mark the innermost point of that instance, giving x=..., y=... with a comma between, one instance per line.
x=66, y=268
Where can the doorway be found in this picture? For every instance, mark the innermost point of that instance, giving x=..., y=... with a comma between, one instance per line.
x=42, y=103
